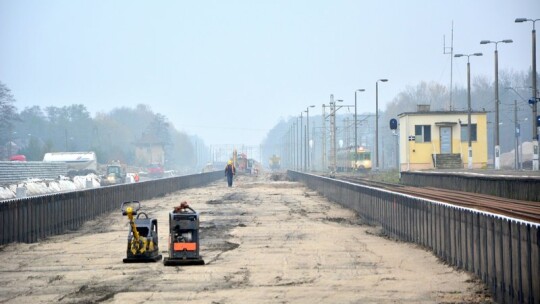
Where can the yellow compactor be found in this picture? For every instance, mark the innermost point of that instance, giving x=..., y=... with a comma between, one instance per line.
x=142, y=245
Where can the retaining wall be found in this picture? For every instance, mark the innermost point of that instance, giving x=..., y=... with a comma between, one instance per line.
x=514, y=187
x=503, y=252
x=30, y=219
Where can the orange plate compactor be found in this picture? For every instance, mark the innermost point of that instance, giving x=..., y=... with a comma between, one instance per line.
x=183, y=237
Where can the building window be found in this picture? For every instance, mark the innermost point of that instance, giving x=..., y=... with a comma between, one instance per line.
x=465, y=132
x=422, y=133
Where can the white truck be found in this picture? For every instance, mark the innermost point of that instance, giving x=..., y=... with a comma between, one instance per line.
x=79, y=163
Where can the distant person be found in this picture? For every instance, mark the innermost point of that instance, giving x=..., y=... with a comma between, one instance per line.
x=230, y=171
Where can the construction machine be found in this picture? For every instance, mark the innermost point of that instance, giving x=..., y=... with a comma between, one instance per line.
x=274, y=162
x=183, y=237
x=116, y=174
x=142, y=245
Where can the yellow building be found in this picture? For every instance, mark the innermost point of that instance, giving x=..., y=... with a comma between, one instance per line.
x=439, y=139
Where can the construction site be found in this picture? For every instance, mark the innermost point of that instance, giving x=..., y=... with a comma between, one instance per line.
x=265, y=240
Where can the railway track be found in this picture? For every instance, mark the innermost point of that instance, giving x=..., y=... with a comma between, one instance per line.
x=525, y=210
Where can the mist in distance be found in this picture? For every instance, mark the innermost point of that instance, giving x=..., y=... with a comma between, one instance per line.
x=228, y=73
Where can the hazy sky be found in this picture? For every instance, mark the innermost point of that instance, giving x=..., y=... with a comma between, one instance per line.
x=228, y=71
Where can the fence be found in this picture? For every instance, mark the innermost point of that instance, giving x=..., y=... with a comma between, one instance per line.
x=503, y=252
x=31, y=219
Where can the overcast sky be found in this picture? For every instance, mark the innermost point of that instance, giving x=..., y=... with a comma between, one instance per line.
x=228, y=71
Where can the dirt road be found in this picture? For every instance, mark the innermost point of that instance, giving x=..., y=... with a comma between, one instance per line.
x=263, y=241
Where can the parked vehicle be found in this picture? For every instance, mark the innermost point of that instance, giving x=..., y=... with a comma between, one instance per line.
x=18, y=157
x=155, y=170
x=78, y=163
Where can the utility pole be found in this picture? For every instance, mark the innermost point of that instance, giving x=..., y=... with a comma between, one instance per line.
x=307, y=155
x=356, y=130
x=516, y=132
x=333, y=132
x=347, y=130
x=534, y=100
x=497, y=147
x=323, y=139
x=382, y=152
x=450, y=50
x=296, y=145
x=469, y=126
x=306, y=147
x=301, y=141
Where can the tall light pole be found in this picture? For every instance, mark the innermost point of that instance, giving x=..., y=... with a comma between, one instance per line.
x=323, y=139
x=307, y=136
x=377, y=122
x=469, y=128
x=301, y=144
x=296, y=146
x=497, y=151
x=534, y=92
x=298, y=143
x=355, y=130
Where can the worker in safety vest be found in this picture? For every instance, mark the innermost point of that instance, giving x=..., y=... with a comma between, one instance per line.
x=230, y=171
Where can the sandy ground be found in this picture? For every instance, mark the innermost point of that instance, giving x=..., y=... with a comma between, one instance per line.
x=263, y=241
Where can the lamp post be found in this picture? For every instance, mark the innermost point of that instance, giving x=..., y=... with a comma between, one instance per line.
x=497, y=151
x=323, y=139
x=534, y=93
x=293, y=146
x=377, y=122
x=307, y=136
x=301, y=144
x=297, y=143
x=469, y=129
x=355, y=130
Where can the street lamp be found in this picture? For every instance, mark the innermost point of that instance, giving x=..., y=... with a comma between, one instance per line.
x=534, y=92
x=497, y=151
x=307, y=137
x=377, y=121
x=469, y=128
x=355, y=130
x=301, y=144
x=296, y=143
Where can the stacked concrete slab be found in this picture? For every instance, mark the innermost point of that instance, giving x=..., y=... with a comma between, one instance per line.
x=12, y=172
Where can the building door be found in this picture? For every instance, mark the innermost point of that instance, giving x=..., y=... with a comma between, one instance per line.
x=446, y=140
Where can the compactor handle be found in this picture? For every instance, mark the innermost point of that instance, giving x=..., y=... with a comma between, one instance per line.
x=182, y=208
x=132, y=204
x=142, y=213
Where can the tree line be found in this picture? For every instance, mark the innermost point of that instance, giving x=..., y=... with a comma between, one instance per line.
x=37, y=130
